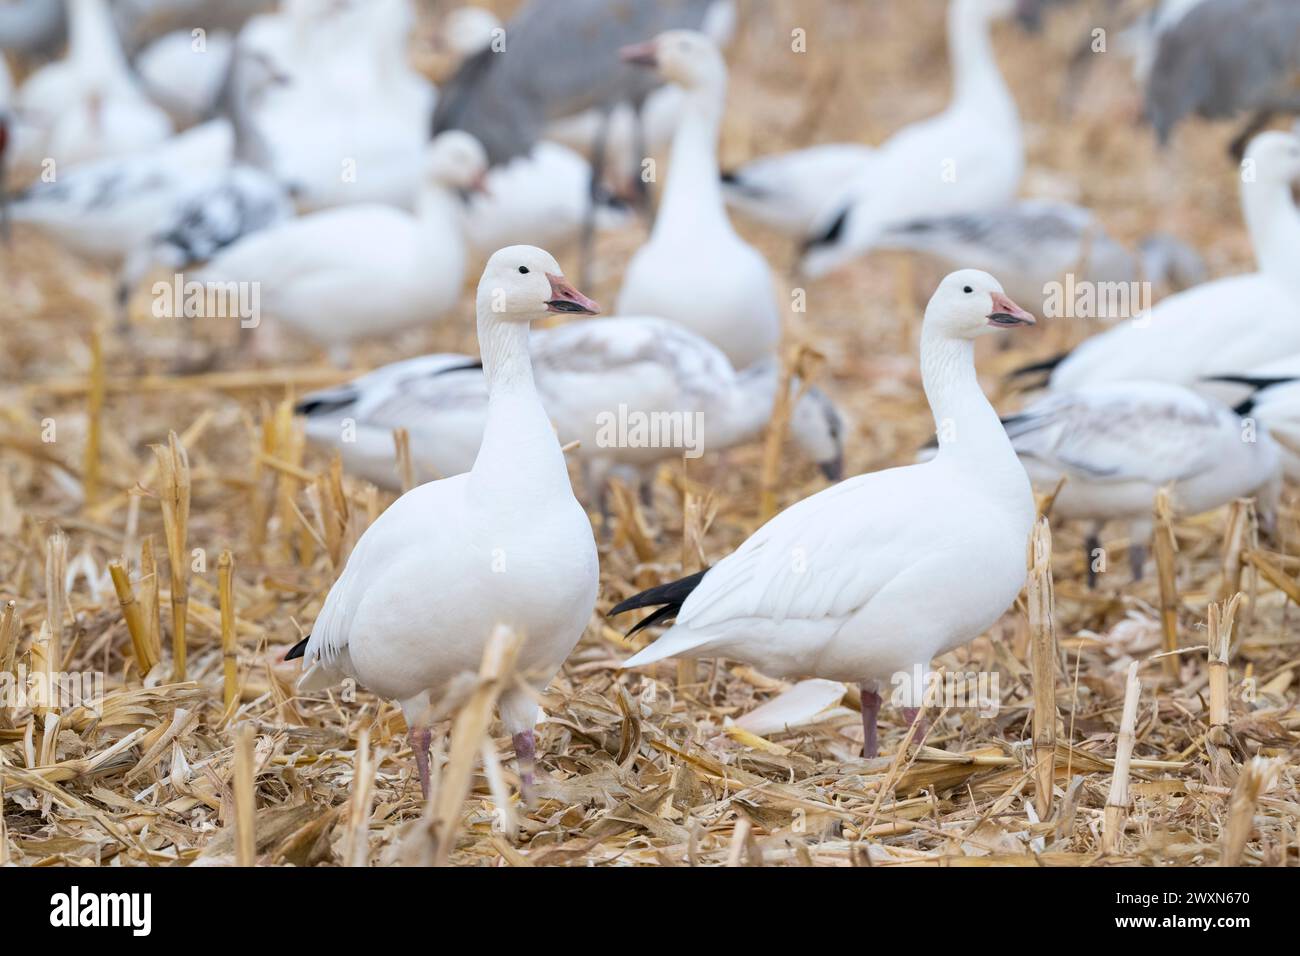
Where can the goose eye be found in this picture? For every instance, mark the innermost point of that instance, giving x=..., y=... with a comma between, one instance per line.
x=968, y=290
x=523, y=270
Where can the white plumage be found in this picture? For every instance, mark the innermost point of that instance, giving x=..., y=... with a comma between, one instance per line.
x=966, y=159
x=449, y=562
x=588, y=374
x=339, y=275
x=831, y=586
x=1117, y=444
x=1222, y=326
x=695, y=270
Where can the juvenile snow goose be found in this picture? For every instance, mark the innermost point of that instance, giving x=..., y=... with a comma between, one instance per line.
x=1218, y=327
x=966, y=159
x=450, y=561
x=1032, y=244
x=586, y=372
x=722, y=288
x=874, y=576
x=363, y=270
x=1118, y=443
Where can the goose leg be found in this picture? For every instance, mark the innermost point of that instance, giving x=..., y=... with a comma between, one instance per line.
x=419, y=737
x=526, y=757
x=639, y=182
x=870, y=711
x=1137, y=559
x=910, y=716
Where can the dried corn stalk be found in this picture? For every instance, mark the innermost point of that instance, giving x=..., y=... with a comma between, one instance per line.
x=1042, y=635
x=1117, y=803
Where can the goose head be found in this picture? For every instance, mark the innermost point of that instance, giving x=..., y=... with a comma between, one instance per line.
x=456, y=160
x=685, y=57
x=524, y=283
x=1274, y=157
x=818, y=427
x=970, y=303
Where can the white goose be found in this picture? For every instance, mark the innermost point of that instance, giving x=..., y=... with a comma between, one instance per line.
x=448, y=562
x=722, y=289
x=88, y=105
x=364, y=270
x=1222, y=326
x=352, y=124
x=585, y=372
x=966, y=159
x=874, y=576
x=789, y=191
x=1118, y=443
x=184, y=74
x=1033, y=243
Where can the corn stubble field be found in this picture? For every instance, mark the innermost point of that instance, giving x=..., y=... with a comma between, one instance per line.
x=114, y=536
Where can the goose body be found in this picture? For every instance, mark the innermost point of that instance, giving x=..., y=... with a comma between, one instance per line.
x=540, y=198
x=1225, y=325
x=585, y=372
x=105, y=209
x=1031, y=244
x=1118, y=443
x=722, y=288
x=351, y=123
x=88, y=105
x=342, y=274
x=450, y=561
x=967, y=159
x=789, y=191
x=873, y=575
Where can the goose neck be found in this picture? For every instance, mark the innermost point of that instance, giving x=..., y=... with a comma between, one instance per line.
x=965, y=423
x=93, y=44
x=975, y=73
x=1274, y=226
x=693, y=189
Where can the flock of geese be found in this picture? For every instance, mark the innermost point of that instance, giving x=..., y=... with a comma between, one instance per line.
x=291, y=148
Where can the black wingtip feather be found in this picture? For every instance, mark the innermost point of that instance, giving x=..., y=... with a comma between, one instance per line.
x=298, y=650
x=1047, y=365
x=831, y=235
x=674, y=592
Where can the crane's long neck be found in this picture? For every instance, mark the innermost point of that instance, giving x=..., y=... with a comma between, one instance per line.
x=693, y=194
x=1274, y=226
x=520, y=455
x=975, y=76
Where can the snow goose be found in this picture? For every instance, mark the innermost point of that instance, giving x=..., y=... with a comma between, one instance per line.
x=789, y=191
x=215, y=211
x=966, y=159
x=184, y=74
x=88, y=105
x=363, y=270
x=1117, y=443
x=543, y=198
x=105, y=209
x=509, y=97
x=450, y=561
x=1032, y=244
x=352, y=123
x=873, y=576
x=585, y=372
x=723, y=288
x=1218, y=327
